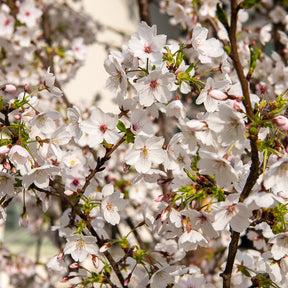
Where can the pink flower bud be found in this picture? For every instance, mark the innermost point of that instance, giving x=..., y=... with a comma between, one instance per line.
x=281, y=122
x=218, y=95
x=263, y=89
x=4, y=149
x=127, y=280
x=162, y=181
x=6, y=165
x=159, y=198
x=23, y=220
x=27, y=87
x=65, y=279
x=74, y=265
x=17, y=117
x=61, y=255
x=165, y=214
x=126, y=167
x=237, y=105
x=69, y=192
x=9, y=88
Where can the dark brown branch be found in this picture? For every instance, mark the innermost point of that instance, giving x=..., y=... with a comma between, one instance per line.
x=254, y=168
x=100, y=163
x=144, y=11
x=236, y=60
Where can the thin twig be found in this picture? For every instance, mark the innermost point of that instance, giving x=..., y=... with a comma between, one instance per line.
x=100, y=163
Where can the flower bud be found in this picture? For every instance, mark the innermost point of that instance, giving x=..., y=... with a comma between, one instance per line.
x=197, y=125
x=69, y=192
x=105, y=247
x=218, y=95
x=95, y=261
x=127, y=280
x=17, y=117
x=27, y=87
x=23, y=220
x=159, y=198
x=61, y=255
x=9, y=88
x=281, y=122
x=126, y=167
x=74, y=265
x=165, y=213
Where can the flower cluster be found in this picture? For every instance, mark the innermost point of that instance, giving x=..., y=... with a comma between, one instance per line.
x=195, y=159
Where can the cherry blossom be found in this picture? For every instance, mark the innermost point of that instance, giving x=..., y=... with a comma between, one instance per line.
x=146, y=44
x=111, y=204
x=147, y=150
x=80, y=246
x=29, y=13
x=231, y=212
x=100, y=126
x=206, y=48
x=154, y=87
x=163, y=176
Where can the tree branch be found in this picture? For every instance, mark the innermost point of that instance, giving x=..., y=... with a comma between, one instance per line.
x=144, y=11
x=100, y=163
x=254, y=173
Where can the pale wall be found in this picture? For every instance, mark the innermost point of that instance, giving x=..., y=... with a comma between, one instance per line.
x=90, y=79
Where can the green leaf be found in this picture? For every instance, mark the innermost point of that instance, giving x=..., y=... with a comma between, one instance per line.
x=254, y=55
x=97, y=278
x=247, y=4
x=123, y=243
x=244, y=271
x=221, y=14
x=121, y=126
x=138, y=255
x=190, y=175
x=129, y=137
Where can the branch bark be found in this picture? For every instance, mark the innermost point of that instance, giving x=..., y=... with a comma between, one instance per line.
x=144, y=11
x=254, y=168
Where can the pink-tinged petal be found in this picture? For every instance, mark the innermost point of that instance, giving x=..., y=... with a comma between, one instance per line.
x=146, y=99
x=143, y=165
x=79, y=254
x=111, y=216
x=108, y=189
x=157, y=156
x=154, y=142
x=111, y=137
x=139, y=142
x=132, y=157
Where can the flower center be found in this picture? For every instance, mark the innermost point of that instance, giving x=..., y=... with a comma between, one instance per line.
x=136, y=126
x=231, y=209
x=76, y=182
x=27, y=13
x=147, y=49
x=145, y=151
x=154, y=84
x=109, y=206
x=80, y=243
x=103, y=128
